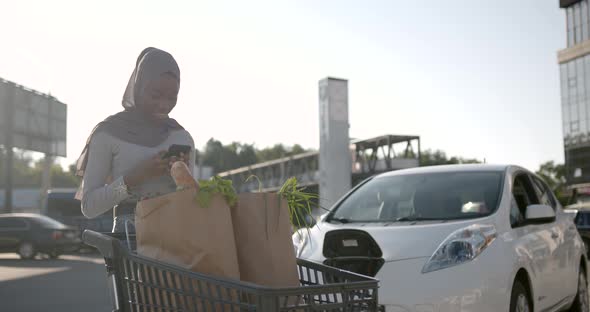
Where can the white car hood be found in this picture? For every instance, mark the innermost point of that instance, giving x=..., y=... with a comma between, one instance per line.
x=398, y=241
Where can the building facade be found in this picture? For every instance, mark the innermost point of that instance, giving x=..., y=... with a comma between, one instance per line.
x=574, y=66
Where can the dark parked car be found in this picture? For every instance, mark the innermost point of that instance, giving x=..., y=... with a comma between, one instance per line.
x=582, y=220
x=29, y=234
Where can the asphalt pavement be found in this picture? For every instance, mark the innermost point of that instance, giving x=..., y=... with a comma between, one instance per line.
x=71, y=283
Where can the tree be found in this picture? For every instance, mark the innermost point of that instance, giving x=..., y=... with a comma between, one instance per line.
x=22, y=173
x=59, y=177
x=279, y=151
x=212, y=155
x=27, y=173
x=553, y=174
x=226, y=157
x=271, y=153
x=247, y=155
x=438, y=157
x=297, y=149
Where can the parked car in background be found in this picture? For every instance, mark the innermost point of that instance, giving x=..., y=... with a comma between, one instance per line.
x=581, y=213
x=456, y=238
x=29, y=234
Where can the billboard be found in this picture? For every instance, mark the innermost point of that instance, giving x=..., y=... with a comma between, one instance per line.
x=38, y=121
x=567, y=3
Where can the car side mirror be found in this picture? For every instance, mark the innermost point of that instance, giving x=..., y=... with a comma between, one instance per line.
x=539, y=214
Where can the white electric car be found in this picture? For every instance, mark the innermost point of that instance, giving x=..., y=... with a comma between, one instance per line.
x=478, y=238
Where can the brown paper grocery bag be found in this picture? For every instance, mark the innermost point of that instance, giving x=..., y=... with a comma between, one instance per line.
x=263, y=240
x=175, y=229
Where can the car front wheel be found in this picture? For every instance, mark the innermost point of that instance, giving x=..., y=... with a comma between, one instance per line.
x=520, y=299
x=26, y=250
x=581, y=301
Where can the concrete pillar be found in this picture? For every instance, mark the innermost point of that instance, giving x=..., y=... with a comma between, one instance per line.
x=335, y=158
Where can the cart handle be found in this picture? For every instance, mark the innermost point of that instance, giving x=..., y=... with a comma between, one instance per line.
x=103, y=243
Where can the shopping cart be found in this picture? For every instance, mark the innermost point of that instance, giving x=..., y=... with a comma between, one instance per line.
x=139, y=283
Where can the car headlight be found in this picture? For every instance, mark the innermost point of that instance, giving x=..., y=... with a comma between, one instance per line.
x=461, y=246
x=299, y=242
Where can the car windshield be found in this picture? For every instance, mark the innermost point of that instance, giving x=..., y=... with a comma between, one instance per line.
x=427, y=196
x=49, y=223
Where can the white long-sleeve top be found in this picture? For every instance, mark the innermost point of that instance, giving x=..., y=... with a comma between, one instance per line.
x=110, y=159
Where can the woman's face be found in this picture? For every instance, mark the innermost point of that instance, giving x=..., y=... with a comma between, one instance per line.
x=159, y=96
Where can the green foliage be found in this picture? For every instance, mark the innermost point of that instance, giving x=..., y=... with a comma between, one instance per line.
x=298, y=201
x=27, y=173
x=216, y=185
x=438, y=157
x=235, y=155
x=554, y=175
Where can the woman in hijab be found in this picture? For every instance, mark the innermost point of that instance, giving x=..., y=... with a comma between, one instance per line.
x=122, y=160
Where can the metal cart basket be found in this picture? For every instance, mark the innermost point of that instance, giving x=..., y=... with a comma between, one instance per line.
x=139, y=283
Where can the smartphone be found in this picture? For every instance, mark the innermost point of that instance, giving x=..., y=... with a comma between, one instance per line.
x=176, y=149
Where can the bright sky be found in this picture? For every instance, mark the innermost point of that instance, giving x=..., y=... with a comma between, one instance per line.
x=476, y=79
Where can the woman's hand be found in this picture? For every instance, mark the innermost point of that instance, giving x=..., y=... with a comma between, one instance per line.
x=183, y=157
x=152, y=167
